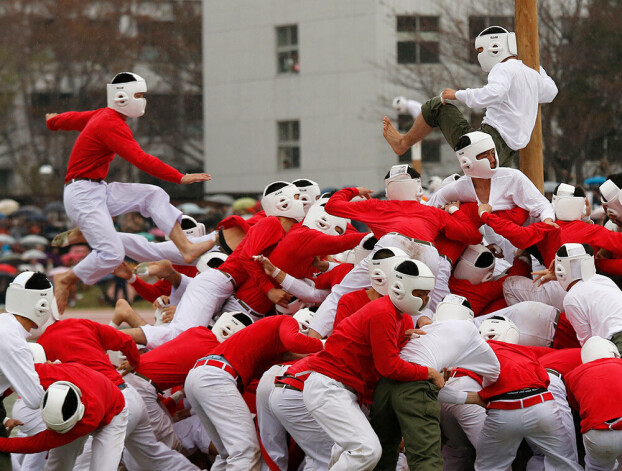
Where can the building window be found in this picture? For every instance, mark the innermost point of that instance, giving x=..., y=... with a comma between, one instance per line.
x=287, y=49
x=417, y=39
x=477, y=24
x=430, y=150
x=289, y=144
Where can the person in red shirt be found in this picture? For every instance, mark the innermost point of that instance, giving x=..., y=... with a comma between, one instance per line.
x=86, y=342
x=600, y=407
x=208, y=291
x=518, y=406
x=213, y=386
x=78, y=402
x=365, y=347
x=91, y=203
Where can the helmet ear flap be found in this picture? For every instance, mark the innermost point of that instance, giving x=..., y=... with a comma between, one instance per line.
x=121, y=98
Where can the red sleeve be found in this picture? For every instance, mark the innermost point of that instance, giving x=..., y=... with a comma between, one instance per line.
x=519, y=268
x=521, y=237
x=340, y=205
x=324, y=244
x=152, y=292
x=264, y=235
x=344, y=310
x=611, y=266
x=255, y=218
x=541, y=351
x=387, y=354
x=458, y=226
x=120, y=140
x=117, y=340
x=294, y=341
x=333, y=277
x=43, y=441
x=599, y=236
x=408, y=324
x=70, y=121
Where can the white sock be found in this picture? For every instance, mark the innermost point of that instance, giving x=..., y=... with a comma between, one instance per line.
x=112, y=324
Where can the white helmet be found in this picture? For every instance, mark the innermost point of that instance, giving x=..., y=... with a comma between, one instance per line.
x=611, y=195
x=574, y=262
x=31, y=295
x=381, y=265
x=403, y=183
x=38, y=353
x=309, y=192
x=400, y=103
x=596, y=348
x=476, y=264
x=295, y=304
x=210, y=260
x=121, y=94
x=498, y=44
x=469, y=147
x=406, y=277
x=453, y=307
x=435, y=183
x=450, y=179
x=317, y=218
x=567, y=206
x=499, y=328
x=61, y=406
x=282, y=199
x=191, y=227
x=304, y=317
x=229, y=323
x=358, y=253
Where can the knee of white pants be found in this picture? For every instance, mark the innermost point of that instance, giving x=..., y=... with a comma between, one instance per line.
x=112, y=259
x=509, y=289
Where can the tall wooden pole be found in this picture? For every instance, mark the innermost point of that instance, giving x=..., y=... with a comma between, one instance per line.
x=526, y=19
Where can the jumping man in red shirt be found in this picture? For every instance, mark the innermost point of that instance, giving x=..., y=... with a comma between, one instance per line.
x=91, y=203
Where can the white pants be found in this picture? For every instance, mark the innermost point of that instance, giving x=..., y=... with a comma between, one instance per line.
x=192, y=434
x=145, y=452
x=214, y=395
x=33, y=424
x=462, y=424
x=233, y=304
x=289, y=408
x=159, y=419
x=91, y=206
x=540, y=425
x=273, y=435
x=139, y=249
x=204, y=296
x=358, y=277
x=521, y=288
x=337, y=411
x=602, y=448
x=108, y=442
x=535, y=321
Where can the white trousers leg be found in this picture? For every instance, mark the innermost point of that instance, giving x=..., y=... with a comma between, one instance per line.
x=159, y=419
x=540, y=425
x=273, y=435
x=602, y=448
x=33, y=424
x=108, y=443
x=289, y=408
x=64, y=457
x=520, y=288
x=337, y=411
x=139, y=249
x=148, y=454
x=204, y=296
x=213, y=393
x=558, y=389
x=192, y=434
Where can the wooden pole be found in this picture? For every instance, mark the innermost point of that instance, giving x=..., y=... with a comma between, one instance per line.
x=526, y=19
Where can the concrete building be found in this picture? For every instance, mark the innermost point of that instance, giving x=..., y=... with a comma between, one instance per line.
x=299, y=88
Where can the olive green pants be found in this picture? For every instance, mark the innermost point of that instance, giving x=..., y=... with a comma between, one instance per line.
x=453, y=124
x=617, y=339
x=5, y=458
x=410, y=410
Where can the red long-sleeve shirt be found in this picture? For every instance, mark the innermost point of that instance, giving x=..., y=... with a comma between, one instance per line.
x=161, y=287
x=104, y=133
x=168, y=365
x=548, y=239
x=333, y=277
x=491, y=292
x=255, y=348
x=365, y=347
x=595, y=389
x=295, y=252
x=562, y=361
x=84, y=341
x=565, y=335
x=348, y=304
x=520, y=369
x=101, y=398
x=260, y=238
x=409, y=218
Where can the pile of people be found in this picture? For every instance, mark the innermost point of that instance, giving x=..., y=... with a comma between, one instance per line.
x=451, y=332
